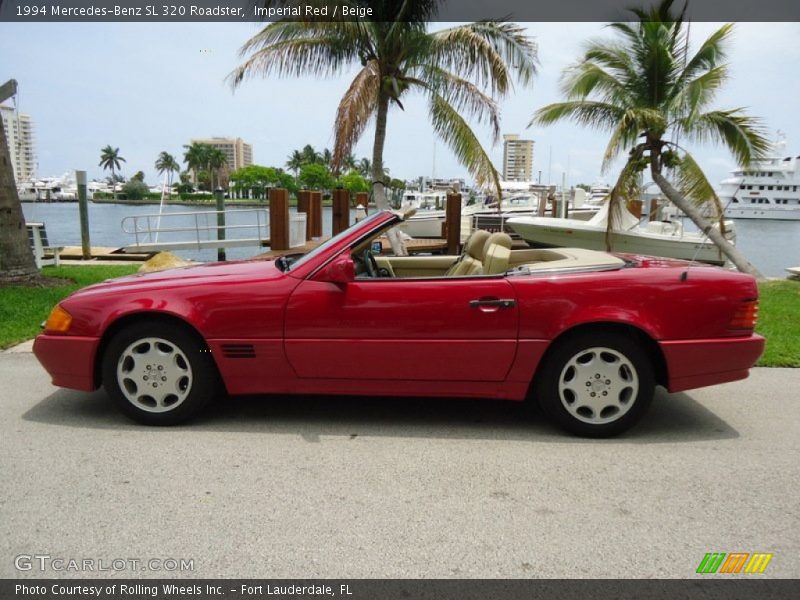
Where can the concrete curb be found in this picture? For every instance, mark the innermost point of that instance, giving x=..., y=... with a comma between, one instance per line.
x=20, y=348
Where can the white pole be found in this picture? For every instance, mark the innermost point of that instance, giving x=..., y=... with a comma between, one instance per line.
x=161, y=207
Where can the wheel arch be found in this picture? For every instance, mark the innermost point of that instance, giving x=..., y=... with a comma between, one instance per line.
x=129, y=319
x=650, y=346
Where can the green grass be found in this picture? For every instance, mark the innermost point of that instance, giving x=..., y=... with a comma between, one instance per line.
x=779, y=322
x=22, y=309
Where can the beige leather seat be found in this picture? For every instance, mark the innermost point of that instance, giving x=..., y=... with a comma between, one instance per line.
x=497, y=254
x=469, y=263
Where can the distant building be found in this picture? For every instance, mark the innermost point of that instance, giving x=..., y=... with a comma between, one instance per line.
x=517, y=158
x=238, y=153
x=19, y=133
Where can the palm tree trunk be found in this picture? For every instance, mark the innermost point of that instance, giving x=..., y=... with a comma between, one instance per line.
x=16, y=258
x=714, y=234
x=378, y=188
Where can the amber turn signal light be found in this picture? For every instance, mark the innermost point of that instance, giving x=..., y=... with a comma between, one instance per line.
x=58, y=321
x=746, y=316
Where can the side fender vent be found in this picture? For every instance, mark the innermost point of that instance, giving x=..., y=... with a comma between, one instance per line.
x=238, y=351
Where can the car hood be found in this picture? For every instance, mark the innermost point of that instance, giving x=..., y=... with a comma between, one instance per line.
x=219, y=272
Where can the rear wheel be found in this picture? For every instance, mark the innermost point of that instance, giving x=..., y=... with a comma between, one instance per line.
x=596, y=384
x=159, y=373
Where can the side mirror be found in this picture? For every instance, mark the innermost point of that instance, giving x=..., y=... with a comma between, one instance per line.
x=339, y=270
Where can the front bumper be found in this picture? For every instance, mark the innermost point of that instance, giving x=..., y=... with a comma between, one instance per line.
x=68, y=359
x=698, y=363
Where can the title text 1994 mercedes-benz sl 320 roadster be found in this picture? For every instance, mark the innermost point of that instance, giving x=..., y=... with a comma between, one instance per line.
x=588, y=335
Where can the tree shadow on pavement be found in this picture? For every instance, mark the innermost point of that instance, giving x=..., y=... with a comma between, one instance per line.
x=672, y=418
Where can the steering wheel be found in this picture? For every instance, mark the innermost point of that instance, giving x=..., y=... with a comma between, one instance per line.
x=370, y=264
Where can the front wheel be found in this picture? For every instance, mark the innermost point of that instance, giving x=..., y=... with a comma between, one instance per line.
x=158, y=374
x=596, y=384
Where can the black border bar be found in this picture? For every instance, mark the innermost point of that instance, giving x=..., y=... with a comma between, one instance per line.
x=742, y=588
x=38, y=11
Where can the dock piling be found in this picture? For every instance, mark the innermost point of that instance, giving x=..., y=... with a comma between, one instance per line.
x=279, y=219
x=83, y=209
x=453, y=222
x=341, y=211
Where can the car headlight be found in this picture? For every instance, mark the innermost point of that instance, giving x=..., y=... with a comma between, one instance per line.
x=59, y=320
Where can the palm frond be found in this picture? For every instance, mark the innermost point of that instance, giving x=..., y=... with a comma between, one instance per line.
x=483, y=52
x=599, y=115
x=694, y=185
x=624, y=135
x=463, y=95
x=588, y=77
x=709, y=55
x=289, y=49
x=625, y=188
x=692, y=96
x=357, y=107
x=744, y=136
x=451, y=127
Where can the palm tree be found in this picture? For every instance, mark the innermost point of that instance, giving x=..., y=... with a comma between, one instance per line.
x=295, y=162
x=309, y=154
x=654, y=95
x=326, y=158
x=196, y=158
x=110, y=159
x=16, y=258
x=349, y=163
x=166, y=163
x=216, y=161
x=364, y=168
x=457, y=70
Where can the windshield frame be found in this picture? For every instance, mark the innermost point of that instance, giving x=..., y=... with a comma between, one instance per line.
x=325, y=246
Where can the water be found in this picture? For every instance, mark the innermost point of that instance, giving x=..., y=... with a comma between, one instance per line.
x=770, y=245
x=105, y=225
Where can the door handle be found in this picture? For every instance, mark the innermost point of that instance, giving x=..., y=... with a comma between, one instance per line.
x=493, y=303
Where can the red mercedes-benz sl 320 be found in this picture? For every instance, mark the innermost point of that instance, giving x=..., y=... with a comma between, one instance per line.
x=587, y=335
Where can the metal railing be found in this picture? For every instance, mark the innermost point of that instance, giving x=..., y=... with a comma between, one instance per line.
x=202, y=224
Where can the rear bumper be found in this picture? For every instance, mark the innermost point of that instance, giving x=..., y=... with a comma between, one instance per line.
x=698, y=363
x=68, y=359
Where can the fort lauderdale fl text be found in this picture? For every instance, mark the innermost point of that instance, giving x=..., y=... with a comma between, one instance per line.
x=140, y=589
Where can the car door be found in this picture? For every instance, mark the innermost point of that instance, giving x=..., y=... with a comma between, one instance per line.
x=432, y=329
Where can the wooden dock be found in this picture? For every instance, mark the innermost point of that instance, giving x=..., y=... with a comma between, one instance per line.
x=70, y=253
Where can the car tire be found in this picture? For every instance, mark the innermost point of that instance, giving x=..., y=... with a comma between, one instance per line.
x=159, y=373
x=595, y=384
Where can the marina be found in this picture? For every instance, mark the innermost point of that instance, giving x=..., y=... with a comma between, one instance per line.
x=771, y=245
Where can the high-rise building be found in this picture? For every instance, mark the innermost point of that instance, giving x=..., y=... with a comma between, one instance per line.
x=19, y=133
x=517, y=158
x=238, y=153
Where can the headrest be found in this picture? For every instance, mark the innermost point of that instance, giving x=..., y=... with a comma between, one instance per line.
x=476, y=243
x=499, y=238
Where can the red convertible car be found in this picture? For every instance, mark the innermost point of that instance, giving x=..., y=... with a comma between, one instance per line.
x=588, y=335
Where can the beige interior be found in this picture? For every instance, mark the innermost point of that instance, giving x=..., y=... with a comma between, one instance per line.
x=491, y=254
x=471, y=260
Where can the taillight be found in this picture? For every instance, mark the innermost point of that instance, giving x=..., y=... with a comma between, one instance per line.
x=745, y=317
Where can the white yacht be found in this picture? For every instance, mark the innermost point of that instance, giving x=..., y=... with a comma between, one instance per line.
x=429, y=218
x=767, y=189
x=655, y=238
x=598, y=193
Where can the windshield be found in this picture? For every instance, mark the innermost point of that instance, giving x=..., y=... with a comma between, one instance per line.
x=328, y=243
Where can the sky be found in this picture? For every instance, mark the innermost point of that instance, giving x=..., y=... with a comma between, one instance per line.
x=149, y=87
